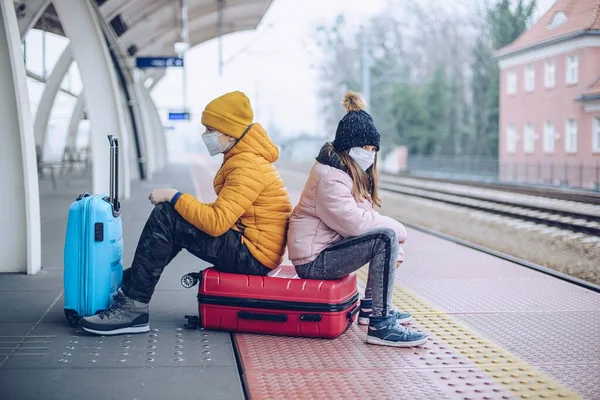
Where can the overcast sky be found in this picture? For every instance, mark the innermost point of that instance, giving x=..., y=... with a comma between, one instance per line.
x=277, y=72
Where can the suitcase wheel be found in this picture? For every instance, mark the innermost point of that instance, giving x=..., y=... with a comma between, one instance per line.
x=189, y=280
x=193, y=322
x=72, y=318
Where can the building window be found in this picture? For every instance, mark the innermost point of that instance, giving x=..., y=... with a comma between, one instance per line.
x=549, y=74
x=571, y=136
x=557, y=20
x=596, y=139
x=549, y=137
x=572, y=70
x=530, y=78
x=511, y=139
x=511, y=82
x=529, y=139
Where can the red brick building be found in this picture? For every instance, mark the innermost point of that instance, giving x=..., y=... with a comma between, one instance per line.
x=550, y=98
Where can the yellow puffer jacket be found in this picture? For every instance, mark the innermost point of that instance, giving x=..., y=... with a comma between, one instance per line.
x=251, y=199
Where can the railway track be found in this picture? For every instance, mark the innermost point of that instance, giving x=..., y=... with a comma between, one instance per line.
x=581, y=196
x=574, y=220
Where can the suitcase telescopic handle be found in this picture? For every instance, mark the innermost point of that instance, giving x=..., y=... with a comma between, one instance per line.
x=262, y=317
x=114, y=174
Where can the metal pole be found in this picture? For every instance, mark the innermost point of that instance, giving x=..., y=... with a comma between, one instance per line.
x=184, y=85
x=44, y=54
x=220, y=34
x=185, y=39
x=366, y=67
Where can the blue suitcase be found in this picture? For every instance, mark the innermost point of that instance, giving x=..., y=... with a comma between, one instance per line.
x=93, y=257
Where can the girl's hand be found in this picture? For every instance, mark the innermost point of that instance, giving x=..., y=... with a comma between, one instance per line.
x=161, y=195
x=400, y=257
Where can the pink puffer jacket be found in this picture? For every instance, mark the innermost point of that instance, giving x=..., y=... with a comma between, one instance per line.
x=327, y=213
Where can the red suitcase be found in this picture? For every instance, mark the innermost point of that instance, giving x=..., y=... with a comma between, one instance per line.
x=278, y=304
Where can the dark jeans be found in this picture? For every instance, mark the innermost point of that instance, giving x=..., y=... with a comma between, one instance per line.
x=378, y=248
x=163, y=237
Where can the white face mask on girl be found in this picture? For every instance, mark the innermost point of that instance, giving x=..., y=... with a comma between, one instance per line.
x=364, y=158
x=213, y=145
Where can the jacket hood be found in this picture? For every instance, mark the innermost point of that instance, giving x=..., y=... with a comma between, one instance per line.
x=256, y=141
x=328, y=156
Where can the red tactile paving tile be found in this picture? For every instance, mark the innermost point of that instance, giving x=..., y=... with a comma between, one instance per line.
x=292, y=368
x=347, y=384
x=348, y=351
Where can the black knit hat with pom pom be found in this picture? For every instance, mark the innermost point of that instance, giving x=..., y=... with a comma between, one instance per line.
x=357, y=128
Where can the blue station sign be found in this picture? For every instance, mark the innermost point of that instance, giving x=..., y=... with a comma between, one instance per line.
x=158, y=62
x=179, y=116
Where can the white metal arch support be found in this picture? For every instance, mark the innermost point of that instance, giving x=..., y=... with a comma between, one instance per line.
x=42, y=116
x=146, y=130
x=101, y=93
x=160, y=142
x=76, y=117
x=20, y=248
x=33, y=10
x=135, y=117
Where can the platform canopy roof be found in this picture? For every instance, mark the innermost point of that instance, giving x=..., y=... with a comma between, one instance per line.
x=152, y=27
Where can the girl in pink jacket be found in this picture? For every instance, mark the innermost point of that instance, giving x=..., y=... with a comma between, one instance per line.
x=334, y=229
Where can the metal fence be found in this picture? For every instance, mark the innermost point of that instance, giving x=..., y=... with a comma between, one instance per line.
x=575, y=174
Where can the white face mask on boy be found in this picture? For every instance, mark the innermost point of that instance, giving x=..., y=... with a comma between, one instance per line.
x=364, y=158
x=213, y=145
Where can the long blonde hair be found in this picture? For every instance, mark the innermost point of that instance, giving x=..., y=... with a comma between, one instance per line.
x=365, y=184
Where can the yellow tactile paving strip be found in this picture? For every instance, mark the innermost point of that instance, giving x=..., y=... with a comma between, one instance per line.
x=514, y=374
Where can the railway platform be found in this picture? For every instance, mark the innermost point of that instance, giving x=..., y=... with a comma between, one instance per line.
x=497, y=330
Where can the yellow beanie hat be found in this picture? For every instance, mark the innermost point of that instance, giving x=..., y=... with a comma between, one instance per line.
x=230, y=114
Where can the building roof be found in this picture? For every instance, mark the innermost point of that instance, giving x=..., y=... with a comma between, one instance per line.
x=564, y=20
x=592, y=92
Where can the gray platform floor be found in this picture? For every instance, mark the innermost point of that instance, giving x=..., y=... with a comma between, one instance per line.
x=41, y=357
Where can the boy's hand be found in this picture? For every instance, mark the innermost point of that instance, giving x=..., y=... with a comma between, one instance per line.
x=161, y=195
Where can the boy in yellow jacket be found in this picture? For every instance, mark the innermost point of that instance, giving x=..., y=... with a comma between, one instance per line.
x=243, y=231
